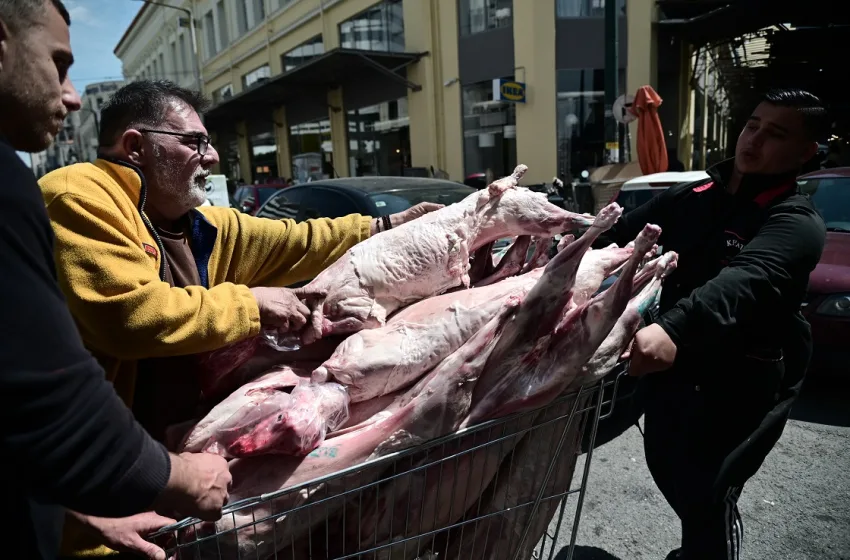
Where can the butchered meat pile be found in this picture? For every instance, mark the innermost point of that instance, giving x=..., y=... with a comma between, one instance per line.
x=419, y=333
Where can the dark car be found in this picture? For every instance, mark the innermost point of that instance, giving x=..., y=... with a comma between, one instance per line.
x=249, y=198
x=370, y=196
x=827, y=305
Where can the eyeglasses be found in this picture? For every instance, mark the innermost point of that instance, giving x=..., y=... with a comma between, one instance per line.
x=203, y=141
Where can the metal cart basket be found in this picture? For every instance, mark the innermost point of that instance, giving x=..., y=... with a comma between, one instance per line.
x=499, y=490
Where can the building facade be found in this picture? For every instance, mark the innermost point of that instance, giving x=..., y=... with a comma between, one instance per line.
x=321, y=88
x=93, y=99
x=63, y=151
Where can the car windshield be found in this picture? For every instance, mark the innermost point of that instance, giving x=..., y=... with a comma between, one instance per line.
x=831, y=197
x=629, y=200
x=398, y=201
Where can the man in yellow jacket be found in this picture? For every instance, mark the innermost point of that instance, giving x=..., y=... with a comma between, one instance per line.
x=150, y=276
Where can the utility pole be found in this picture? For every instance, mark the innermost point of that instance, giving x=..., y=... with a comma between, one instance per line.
x=612, y=71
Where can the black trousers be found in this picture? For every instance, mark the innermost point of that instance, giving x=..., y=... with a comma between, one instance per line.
x=707, y=430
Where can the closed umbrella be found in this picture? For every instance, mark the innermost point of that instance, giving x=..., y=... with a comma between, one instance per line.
x=652, y=150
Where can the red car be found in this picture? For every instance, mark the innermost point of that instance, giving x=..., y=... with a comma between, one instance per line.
x=827, y=305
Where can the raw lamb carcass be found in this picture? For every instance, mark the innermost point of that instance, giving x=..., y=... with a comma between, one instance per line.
x=434, y=407
x=379, y=361
x=280, y=413
x=529, y=368
x=427, y=256
x=375, y=362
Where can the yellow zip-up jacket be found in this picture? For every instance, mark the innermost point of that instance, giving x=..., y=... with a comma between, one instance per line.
x=109, y=264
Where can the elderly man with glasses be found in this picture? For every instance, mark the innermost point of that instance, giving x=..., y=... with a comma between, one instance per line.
x=153, y=280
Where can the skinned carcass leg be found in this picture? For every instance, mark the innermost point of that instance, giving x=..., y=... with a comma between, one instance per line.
x=608, y=354
x=511, y=263
x=536, y=317
x=535, y=375
x=540, y=257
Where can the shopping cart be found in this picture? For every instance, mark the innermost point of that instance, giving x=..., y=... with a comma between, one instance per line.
x=491, y=491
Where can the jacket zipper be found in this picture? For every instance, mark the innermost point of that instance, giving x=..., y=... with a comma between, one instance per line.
x=152, y=231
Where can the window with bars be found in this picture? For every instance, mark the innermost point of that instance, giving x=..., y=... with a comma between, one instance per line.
x=483, y=15
x=304, y=52
x=380, y=28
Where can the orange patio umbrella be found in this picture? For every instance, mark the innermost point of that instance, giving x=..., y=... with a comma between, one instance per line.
x=652, y=150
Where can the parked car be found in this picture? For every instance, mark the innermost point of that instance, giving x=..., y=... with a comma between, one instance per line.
x=249, y=198
x=370, y=196
x=639, y=190
x=827, y=305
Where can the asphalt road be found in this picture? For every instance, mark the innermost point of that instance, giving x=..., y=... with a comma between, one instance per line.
x=797, y=507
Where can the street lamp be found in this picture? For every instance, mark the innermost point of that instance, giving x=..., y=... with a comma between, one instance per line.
x=191, y=22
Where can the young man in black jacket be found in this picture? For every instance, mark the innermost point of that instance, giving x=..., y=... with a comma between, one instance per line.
x=66, y=437
x=727, y=354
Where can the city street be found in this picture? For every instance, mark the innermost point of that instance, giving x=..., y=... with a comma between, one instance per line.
x=795, y=508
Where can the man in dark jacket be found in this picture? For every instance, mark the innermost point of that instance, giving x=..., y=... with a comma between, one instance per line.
x=66, y=437
x=727, y=354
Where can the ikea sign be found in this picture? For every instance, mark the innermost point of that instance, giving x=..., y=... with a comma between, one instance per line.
x=508, y=90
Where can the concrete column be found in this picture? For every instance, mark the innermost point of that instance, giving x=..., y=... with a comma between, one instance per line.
x=435, y=125
x=641, y=67
x=339, y=132
x=281, y=138
x=245, y=168
x=686, y=106
x=536, y=129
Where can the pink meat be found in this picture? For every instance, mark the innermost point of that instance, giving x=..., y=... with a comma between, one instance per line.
x=427, y=256
x=276, y=414
x=432, y=408
x=609, y=352
x=379, y=361
x=224, y=370
x=511, y=263
x=521, y=377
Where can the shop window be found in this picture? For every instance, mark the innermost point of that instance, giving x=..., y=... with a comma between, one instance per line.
x=585, y=8
x=263, y=149
x=304, y=52
x=483, y=15
x=380, y=28
x=581, y=120
x=489, y=132
x=312, y=151
x=257, y=76
x=379, y=139
x=230, y=164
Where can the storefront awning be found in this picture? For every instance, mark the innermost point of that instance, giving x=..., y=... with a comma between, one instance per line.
x=310, y=81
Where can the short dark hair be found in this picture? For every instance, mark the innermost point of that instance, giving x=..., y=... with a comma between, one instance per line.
x=20, y=14
x=815, y=118
x=143, y=103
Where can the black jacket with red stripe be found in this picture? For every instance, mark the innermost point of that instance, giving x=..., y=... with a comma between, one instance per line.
x=744, y=264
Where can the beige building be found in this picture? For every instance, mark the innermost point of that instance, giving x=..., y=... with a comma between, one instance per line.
x=321, y=88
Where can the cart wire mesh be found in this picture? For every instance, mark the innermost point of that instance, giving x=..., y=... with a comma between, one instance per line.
x=491, y=491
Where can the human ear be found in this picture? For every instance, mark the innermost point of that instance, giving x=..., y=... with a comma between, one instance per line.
x=132, y=147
